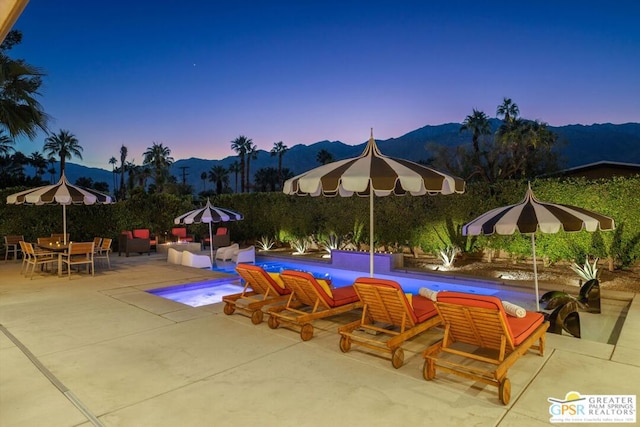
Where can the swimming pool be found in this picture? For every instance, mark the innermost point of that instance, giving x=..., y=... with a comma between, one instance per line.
x=212, y=291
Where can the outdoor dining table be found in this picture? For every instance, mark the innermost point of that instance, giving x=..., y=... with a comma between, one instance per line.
x=59, y=248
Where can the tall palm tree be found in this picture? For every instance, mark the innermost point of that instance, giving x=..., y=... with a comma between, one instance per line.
x=240, y=145
x=5, y=144
x=508, y=109
x=65, y=145
x=159, y=158
x=279, y=149
x=234, y=168
x=252, y=154
x=478, y=124
x=20, y=112
x=123, y=159
x=113, y=162
x=52, y=169
x=219, y=175
x=203, y=177
x=324, y=156
x=39, y=163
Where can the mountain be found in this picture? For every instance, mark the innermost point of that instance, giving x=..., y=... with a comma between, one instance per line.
x=578, y=145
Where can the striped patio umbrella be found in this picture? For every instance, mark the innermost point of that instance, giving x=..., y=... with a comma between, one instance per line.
x=62, y=193
x=531, y=215
x=372, y=170
x=208, y=215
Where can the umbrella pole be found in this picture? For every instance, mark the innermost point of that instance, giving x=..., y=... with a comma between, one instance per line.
x=64, y=224
x=535, y=270
x=210, y=243
x=371, y=248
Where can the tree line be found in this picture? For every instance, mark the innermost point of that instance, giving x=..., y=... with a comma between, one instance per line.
x=518, y=149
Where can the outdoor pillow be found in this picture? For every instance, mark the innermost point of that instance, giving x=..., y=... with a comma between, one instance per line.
x=326, y=286
x=276, y=278
x=513, y=309
x=428, y=293
x=409, y=299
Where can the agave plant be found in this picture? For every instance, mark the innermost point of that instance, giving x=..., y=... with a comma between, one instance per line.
x=300, y=245
x=330, y=242
x=448, y=256
x=265, y=243
x=587, y=271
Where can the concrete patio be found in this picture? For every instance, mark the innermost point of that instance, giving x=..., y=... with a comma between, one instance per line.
x=101, y=351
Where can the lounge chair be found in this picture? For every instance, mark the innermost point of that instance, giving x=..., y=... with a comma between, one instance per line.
x=180, y=234
x=387, y=311
x=127, y=243
x=226, y=253
x=260, y=289
x=310, y=299
x=244, y=255
x=194, y=260
x=481, y=321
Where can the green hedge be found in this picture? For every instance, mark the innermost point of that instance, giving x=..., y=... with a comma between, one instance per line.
x=430, y=222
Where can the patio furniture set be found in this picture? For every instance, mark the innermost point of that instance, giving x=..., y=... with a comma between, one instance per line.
x=481, y=340
x=51, y=251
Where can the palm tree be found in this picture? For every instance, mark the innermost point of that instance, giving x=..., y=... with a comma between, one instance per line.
x=203, y=177
x=478, y=124
x=20, y=112
x=159, y=158
x=252, y=154
x=38, y=161
x=267, y=179
x=278, y=150
x=113, y=162
x=240, y=145
x=123, y=159
x=324, y=156
x=219, y=175
x=65, y=145
x=52, y=169
x=508, y=109
x=5, y=144
x=234, y=168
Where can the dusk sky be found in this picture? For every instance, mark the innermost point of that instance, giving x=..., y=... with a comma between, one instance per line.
x=194, y=75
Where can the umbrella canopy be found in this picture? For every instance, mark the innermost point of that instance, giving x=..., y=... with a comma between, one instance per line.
x=208, y=215
x=373, y=171
x=531, y=215
x=62, y=193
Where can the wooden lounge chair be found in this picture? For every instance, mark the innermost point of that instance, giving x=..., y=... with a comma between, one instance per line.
x=389, y=312
x=482, y=322
x=309, y=301
x=260, y=289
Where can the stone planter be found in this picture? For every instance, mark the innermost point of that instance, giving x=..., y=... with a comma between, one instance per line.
x=383, y=263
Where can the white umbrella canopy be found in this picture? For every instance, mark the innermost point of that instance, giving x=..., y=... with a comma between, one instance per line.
x=530, y=216
x=62, y=193
x=208, y=215
x=373, y=170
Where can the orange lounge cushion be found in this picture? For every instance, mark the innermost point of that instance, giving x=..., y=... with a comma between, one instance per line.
x=423, y=308
x=519, y=328
x=221, y=231
x=344, y=295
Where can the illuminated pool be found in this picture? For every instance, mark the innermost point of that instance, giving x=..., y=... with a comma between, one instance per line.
x=212, y=291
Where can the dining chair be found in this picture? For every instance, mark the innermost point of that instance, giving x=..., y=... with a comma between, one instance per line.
x=12, y=246
x=104, y=250
x=79, y=253
x=37, y=258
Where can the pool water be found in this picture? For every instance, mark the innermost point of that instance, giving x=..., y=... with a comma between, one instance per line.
x=212, y=291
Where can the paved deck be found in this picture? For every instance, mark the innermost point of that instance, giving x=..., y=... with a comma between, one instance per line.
x=101, y=351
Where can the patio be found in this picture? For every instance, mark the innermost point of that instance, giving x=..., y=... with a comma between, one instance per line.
x=99, y=350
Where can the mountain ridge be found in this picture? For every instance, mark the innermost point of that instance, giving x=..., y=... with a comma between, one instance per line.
x=578, y=145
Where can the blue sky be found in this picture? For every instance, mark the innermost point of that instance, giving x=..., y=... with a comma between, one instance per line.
x=194, y=75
